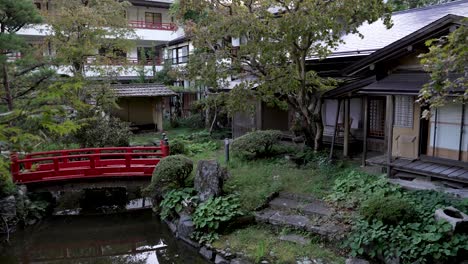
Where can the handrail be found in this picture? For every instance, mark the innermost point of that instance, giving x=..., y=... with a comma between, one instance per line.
x=148, y=25
x=97, y=162
x=81, y=156
x=91, y=149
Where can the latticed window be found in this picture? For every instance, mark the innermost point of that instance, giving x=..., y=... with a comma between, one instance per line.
x=377, y=117
x=404, y=111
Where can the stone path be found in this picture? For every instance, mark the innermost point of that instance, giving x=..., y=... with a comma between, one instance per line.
x=302, y=213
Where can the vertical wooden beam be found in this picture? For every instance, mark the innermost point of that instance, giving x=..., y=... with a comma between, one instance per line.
x=346, y=127
x=389, y=122
x=335, y=131
x=365, y=128
x=435, y=132
x=462, y=128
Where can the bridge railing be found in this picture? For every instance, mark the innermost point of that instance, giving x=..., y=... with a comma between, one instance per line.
x=86, y=163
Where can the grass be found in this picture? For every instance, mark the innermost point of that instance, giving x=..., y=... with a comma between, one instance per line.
x=255, y=181
x=262, y=243
x=149, y=137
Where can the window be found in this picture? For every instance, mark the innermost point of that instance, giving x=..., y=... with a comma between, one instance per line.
x=403, y=111
x=377, y=117
x=179, y=55
x=153, y=18
x=38, y=5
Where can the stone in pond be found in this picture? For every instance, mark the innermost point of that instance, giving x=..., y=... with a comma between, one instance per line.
x=209, y=179
x=206, y=253
x=8, y=206
x=185, y=226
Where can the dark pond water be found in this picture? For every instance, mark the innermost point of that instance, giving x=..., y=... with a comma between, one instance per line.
x=134, y=237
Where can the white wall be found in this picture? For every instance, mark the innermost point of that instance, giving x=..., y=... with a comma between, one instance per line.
x=448, y=128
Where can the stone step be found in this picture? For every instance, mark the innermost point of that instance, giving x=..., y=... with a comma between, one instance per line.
x=310, y=207
x=298, y=222
x=408, y=176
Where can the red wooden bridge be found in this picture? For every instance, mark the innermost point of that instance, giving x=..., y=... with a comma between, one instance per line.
x=87, y=163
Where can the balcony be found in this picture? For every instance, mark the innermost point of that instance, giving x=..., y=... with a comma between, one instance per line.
x=156, y=26
x=128, y=61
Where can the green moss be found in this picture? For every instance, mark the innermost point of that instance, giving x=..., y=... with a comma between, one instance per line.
x=261, y=243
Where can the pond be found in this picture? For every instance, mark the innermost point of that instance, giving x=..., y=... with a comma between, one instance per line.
x=134, y=237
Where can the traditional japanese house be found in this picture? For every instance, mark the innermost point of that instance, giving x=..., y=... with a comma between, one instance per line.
x=390, y=117
x=142, y=104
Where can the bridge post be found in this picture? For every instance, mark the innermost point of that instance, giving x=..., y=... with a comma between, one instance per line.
x=56, y=166
x=165, y=145
x=15, y=168
x=28, y=164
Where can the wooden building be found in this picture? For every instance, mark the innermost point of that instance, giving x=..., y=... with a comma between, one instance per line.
x=142, y=104
x=391, y=79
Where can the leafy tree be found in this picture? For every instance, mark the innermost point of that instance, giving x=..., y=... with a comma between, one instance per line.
x=14, y=15
x=90, y=37
x=447, y=63
x=398, y=5
x=280, y=35
x=89, y=33
x=32, y=107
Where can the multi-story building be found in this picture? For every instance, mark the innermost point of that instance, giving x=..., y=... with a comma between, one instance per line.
x=154, y=28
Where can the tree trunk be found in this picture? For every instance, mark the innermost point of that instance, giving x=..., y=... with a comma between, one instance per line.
x=319, y=127
x=6, y=85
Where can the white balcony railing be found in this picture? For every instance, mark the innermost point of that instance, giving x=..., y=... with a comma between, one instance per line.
x=156, y=26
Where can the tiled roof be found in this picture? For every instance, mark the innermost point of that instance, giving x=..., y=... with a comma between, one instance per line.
x=141, y=90
x=377, y=36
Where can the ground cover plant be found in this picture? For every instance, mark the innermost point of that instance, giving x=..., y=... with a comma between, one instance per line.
x=393, y=224
x=260, y=243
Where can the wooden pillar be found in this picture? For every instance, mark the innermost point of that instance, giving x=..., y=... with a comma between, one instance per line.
x=335, y=130
x=346, y=127
x=389, y=121
x=365, y=128
x=158, y=113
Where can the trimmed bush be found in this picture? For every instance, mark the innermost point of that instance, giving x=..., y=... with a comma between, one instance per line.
x=257, y=144
x=389, y=210
x=177, y=147
x=104, y=132
x=171, y=171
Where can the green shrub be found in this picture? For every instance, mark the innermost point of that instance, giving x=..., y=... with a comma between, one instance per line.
x=6, y=183
x=388, y=209
x=212, y=213
x=356, y=187
x=172, y=171
x=104, y=132
x=193, y=121
x=177, y=147
x=176, y=200
x=427, y=241
x=257, y=144
x=196, y=148
x=395, y=224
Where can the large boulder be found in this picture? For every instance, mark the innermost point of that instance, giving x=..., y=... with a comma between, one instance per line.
x=8, y=206
x=209, y=179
